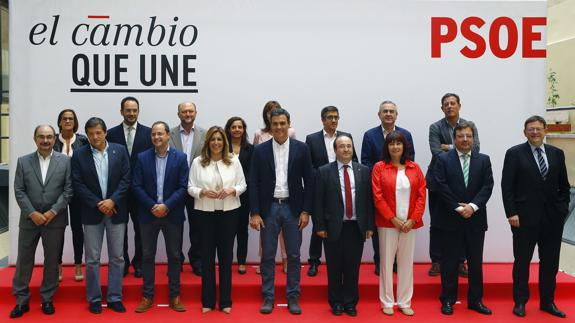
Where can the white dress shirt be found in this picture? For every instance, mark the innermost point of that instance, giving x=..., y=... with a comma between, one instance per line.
x=281, y=158
x=216, y=176
x=44, y=164
x=341, y=169
x=328, y=140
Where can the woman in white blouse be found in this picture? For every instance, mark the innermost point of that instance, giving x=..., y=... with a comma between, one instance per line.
x=216, y=182
x=399, y=198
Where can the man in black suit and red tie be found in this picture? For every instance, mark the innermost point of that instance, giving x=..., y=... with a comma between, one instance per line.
x=536, y=197
x=320, y=146
x=464, y=182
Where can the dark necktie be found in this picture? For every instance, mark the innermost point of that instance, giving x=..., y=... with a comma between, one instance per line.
x=348, y=197
x=541, y=161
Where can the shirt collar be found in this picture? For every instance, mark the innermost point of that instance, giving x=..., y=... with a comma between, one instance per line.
x=166, y=155
x=448, y=124
x=460, y=154
x=62, y=140
x=94, y=150
x=533, y=147
x=326, y=135
x=277, y=145
x=135, y=126
x=182, y=130
x=40, y=157
x=340, y=164
x=385, y=132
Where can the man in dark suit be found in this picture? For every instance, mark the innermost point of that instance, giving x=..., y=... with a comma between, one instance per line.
x=189, y=138
x=101, y=178
x=281, y=192
x=441, y=140
x=464, y=182
x=320, y=146
x=43, y=189
x=136, y=138
x=535, y=192
x=160, y=184
x=371, y=149
x=343, y=216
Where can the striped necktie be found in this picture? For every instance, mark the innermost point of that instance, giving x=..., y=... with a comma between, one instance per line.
x=541, y=161
x=465, y=168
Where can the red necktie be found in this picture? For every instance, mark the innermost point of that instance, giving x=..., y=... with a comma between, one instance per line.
x=348, y=198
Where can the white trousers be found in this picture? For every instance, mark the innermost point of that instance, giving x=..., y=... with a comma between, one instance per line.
x=392, y=242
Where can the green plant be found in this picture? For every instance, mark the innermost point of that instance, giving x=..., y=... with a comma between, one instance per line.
x=552, y=93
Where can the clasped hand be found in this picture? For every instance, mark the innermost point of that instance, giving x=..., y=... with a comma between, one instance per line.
x=220, y=195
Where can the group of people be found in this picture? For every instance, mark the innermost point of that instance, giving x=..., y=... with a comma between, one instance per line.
x=156, y=175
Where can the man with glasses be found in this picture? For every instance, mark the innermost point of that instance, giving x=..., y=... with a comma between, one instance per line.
x=372, y=146
x=320, y=146
x=441, y=140
x=536, y=197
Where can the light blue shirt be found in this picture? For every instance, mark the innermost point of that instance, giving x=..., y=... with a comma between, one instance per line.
x=187, y=142
x=160, y=174
x=543, y=153
x=101, y=163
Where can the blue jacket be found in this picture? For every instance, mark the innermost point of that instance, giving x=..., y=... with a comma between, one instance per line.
x=371, y=147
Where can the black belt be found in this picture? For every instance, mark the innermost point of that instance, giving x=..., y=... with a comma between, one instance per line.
x=281, y=200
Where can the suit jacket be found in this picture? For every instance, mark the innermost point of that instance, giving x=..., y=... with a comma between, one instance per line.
x=316, y=144
x=81, y=140
x=198, y=141
x=440, y=133
x=144, y=185
x=87, y=187
x=34, y=195
x=371, y=148
x=245, y=158
x=328, y=208
x=526, y=194
x=262, y=180
x=142, y=140
x=451, y=189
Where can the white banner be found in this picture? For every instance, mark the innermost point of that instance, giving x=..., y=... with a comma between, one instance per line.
x=230, y=57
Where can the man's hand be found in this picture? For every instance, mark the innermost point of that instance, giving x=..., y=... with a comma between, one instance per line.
x=465, y=210
x=49, y=216
x=108, y=207
x=256, y=222
x=514, y=220
x=38, y=218
x=303, y=220
x=445, y=147
x=230, y=191
x=368, y=234
x=322, y=234
x=159, y=210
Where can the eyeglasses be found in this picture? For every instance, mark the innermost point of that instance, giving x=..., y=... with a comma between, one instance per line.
x=535, y=129
x=464, y=136
x=386, y=111
x=332, y=118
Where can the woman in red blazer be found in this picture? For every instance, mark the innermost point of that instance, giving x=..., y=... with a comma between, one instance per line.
x=399, y=198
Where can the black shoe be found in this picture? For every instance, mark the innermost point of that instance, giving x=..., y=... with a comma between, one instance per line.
x=519, y=309
x=95, y=307
x=446, y=308
x=351, y=310
x=293, y=306
x=376, y=271
x=19, y=310
x=267, y=307
x=434, y=270
x=117, y=307
x=138, y=272
x=479, y=308
x=48, y=308
x=337, y=309
x=312, y=271
x=197, y=271
x=553, y=310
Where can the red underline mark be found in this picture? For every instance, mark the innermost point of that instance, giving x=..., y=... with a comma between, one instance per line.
x=98, y=17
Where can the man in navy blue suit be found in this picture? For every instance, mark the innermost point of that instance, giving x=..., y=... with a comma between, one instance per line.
x=281, y=196
x=464, y=182
x=101, y=179
x=371, y=149
x=136, y=138
x=160, y=185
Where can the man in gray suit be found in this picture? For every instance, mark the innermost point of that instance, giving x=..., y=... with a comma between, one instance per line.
x=43, y=188
x=441, y=140
x=189, y=138
x=343, y=216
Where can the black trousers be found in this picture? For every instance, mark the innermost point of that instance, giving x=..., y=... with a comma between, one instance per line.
x=435, y=233
x=172, y=238
x=195, y=251
x=137, y=260
x=547, y=236
x=242, y=231
x=343, y=258
x=77, y=232
x=218, y=231
x=315, y=245
x=453, y=244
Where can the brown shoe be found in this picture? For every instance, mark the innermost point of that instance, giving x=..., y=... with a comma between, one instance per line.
x=177, y=305
x=284, y=265
x=463, y=272
x=78, y=276
x=435, y=270
x=145, y=305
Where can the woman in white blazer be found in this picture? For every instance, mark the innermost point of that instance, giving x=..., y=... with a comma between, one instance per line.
x=216, y=182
